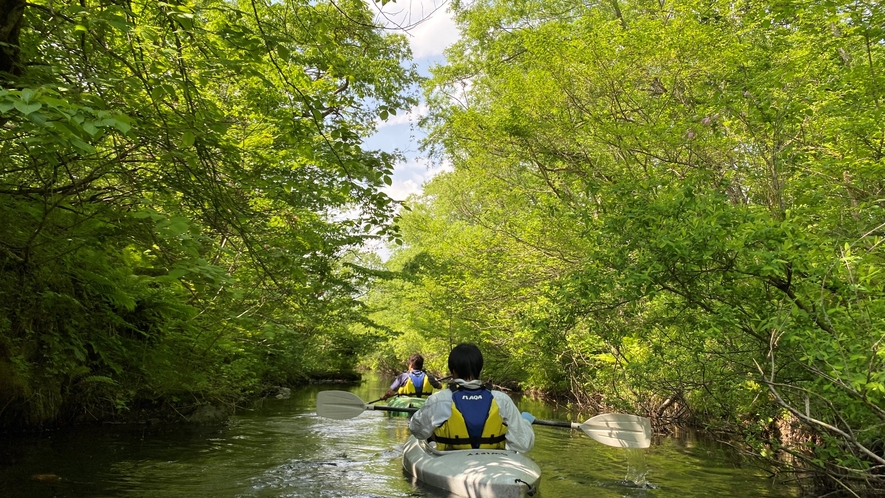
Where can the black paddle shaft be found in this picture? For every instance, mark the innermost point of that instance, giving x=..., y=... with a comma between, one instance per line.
x=553, y=423
x=385, y=408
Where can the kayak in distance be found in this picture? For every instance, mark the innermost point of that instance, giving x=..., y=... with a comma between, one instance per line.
x=472, y=473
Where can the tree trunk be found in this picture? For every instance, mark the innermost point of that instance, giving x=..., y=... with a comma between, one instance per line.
x=11, y=12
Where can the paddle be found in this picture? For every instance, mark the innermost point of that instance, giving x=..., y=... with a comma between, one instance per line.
x=612, y=429
x=342, y=405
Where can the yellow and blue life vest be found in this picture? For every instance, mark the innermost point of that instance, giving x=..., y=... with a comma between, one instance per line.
x=418, y=384
x=475, y=422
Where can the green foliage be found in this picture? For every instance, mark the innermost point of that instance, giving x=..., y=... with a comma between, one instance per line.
x=171, y=197
x=669, y=208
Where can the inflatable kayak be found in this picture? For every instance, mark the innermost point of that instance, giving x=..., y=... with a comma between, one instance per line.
x=472, y=473
x=405, y=402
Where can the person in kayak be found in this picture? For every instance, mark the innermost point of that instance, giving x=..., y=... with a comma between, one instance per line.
x=413, y=382
x=469, y=414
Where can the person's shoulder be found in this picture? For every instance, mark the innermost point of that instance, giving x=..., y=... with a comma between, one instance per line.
x=440, y=396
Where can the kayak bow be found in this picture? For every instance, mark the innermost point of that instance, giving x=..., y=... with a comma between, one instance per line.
x=472, y=473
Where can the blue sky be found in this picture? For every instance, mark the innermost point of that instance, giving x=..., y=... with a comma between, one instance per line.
x=430, y=29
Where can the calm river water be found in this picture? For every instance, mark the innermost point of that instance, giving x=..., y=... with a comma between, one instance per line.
x=282, y=449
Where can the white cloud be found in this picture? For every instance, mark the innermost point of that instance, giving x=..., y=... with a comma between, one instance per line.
x=410, y=176
x=433, y=36
x=410, y=117
x=427, y=23
x=400, y=190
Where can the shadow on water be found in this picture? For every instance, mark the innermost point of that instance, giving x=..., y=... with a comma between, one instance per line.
x=280, y=448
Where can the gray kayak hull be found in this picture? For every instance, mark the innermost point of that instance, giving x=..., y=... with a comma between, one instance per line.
x=472, y=473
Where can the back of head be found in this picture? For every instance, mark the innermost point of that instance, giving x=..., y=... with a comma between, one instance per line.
x=466, y=360
x=416, y=362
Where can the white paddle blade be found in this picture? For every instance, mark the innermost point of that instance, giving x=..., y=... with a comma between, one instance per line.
x=340, y=405
x=619, y=429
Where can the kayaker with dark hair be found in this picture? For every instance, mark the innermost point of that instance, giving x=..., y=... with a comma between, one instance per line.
x=413, y=382
x=469, y=414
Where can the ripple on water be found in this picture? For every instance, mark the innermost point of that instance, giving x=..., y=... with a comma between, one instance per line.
x=336, y=477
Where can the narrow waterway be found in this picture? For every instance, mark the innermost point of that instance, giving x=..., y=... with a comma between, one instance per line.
x=281, y=448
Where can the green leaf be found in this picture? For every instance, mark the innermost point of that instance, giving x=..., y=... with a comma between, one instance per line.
x=38, y=117
x=119, y=22
x=177, y=226
x=90, y=128
x=187, y=138
x=178, y=273
x=120, y=125
x=82, y=145
x=27, y=108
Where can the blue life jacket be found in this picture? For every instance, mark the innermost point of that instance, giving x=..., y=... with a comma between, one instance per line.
x=417, y=381
x=417, y=384
x=474, y=406
x=475, y=422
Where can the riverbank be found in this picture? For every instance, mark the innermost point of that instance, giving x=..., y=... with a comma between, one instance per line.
x=197, y=409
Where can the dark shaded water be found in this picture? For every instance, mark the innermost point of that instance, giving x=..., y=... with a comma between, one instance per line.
x=281, y=448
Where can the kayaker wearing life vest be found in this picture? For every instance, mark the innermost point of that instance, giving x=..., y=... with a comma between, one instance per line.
x=470, y=415
x=414, y=382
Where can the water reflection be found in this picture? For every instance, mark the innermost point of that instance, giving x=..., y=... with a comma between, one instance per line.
x=280, y=448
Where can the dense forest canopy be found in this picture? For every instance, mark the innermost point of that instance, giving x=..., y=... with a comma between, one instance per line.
x=669, y=208
x=666, y=208
x=183, y=192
